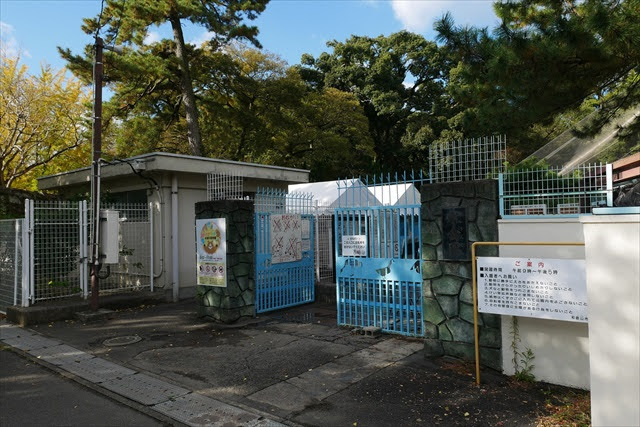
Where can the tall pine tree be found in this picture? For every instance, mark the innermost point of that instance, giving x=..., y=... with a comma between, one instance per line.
x=128, y=22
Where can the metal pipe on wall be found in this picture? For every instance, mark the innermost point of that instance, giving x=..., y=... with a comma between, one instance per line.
x=174, y=239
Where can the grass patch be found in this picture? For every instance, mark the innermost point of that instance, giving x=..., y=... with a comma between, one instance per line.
x=571, y=409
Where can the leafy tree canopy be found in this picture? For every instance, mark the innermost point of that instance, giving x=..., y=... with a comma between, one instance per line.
x=400, y=82
x=548, y=59
x=127, y=22
x=43, y=124
x=252, y=108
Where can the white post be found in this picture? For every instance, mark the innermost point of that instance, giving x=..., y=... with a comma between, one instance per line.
x=15, y=261
x=609, y=185
x=174, y=239
x=317, y=229
x=26, y=256
x=32, y=276
x=151, y=260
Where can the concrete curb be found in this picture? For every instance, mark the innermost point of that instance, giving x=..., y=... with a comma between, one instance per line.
x=243, y=414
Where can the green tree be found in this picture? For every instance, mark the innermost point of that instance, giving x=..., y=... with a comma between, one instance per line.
x=548, y=60
x=129, y=22
x=257, y=109
x=400, y=82
x=43, y=124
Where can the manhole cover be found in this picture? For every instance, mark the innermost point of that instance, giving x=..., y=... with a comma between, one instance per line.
x=118, y=341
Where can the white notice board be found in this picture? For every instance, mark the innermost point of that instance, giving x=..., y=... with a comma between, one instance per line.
x=527, y=287
x=211, y=252
x=354, y=245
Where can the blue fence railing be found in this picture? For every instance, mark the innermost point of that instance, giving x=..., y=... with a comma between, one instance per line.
x=378, y=242
x=284, y=234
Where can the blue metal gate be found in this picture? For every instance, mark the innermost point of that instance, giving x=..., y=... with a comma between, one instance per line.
x=378, y=241
x=284, y=249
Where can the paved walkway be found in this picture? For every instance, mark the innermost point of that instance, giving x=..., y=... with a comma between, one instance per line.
x=173, y=401
x=32, y=395
x=292, y=367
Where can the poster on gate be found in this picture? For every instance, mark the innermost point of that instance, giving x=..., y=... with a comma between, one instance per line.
x=286, y=238
x=211, y=252
x=354, y=245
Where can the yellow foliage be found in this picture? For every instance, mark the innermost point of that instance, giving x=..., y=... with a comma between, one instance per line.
x=45, y=127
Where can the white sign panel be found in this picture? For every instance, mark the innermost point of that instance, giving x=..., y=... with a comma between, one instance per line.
x=286, y=238
x=526, y=287
x=211, y=250
x=354, y=245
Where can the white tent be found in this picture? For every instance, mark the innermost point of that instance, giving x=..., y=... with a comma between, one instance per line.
x=330, y=194
x=396, y=194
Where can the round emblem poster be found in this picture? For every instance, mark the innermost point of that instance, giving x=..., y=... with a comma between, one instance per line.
x=211, y=252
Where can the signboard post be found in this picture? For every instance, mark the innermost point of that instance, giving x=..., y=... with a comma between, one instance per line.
x=211, y=252
x=543, y=288
x=474, y=260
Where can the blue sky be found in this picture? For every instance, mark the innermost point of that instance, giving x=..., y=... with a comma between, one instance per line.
x=288, y=28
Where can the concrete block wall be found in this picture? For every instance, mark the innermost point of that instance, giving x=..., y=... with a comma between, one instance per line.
x=447, y=290
x=238, y=298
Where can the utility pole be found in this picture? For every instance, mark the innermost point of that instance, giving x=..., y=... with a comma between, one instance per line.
x=95, y=176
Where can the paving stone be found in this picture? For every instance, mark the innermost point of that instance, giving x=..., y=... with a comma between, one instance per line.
x=12, y=331
x=196, y=410
x=285, y=396
x=399, y=348
x=329, y=379
x=30, y=342
x=97, y=370
x=60, y=355
x=144, y=389
x=367, y=357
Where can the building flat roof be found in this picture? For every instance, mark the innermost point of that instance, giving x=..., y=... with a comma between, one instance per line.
x=168, y=162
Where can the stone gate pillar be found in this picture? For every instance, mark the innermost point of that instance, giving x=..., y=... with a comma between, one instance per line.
x=454, y=215
x=237, y=299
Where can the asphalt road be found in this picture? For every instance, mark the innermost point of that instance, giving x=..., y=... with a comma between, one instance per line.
x=31, y=395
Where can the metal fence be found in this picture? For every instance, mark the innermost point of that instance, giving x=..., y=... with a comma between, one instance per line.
x=377, y=249
x=50, y=253
x=10, y=263
x=134, y=270
x=57, y=249
x=544, y=191
x=468, y=160
x=323, y=220
x=284, y=245
x=224, y=187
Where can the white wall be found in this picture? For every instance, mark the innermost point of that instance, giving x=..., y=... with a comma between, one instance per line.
x=561, y=348
x=613, y=282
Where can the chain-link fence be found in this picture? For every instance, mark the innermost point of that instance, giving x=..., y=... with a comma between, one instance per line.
x=10, y=263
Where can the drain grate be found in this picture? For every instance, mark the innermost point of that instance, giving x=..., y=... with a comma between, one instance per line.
x=197, y=410
x=144, y=389
x=122, y=341
x=97, y=370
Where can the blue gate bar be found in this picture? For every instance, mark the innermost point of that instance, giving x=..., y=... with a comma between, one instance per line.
x=283, y=284
x=383, y=287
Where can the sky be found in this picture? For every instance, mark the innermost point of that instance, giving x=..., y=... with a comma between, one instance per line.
x=289, y=28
